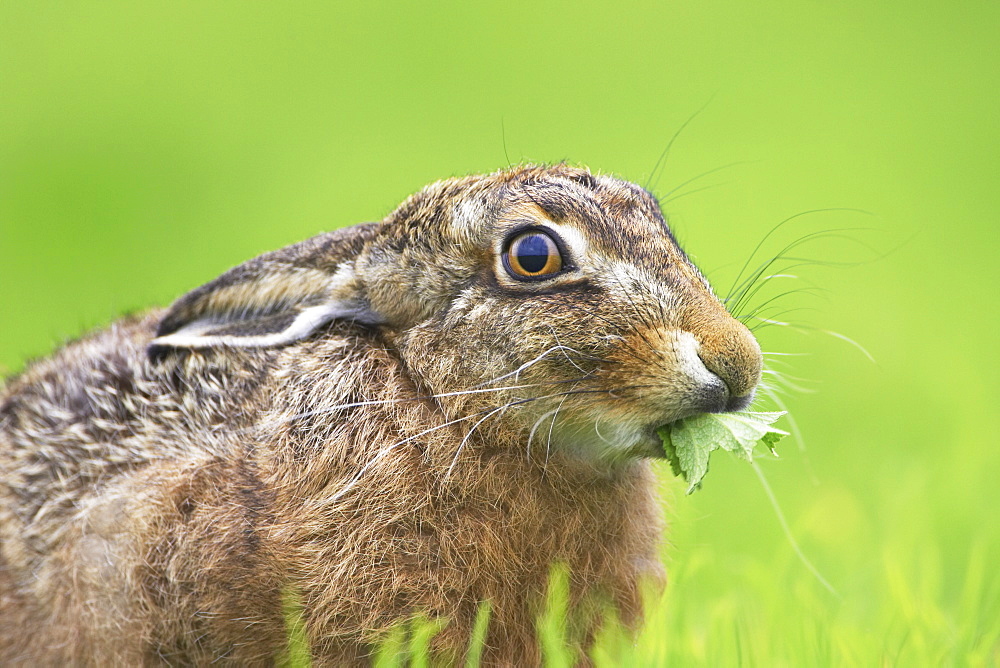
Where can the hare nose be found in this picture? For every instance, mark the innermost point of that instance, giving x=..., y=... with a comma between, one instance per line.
x=727, y=349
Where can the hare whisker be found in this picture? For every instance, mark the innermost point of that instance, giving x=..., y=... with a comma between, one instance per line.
x=626, y=347
x=760, y=244
x=385, y=402
x=516, y=372
x=534, y=428
x=694, y=191
x=669, y=196
x=384, y=452
x=552, y=424
x=772, y=312
x=796, y=432
x=565, y=348
x=775, y=298
x=597, y=430
x=740, y=291
x=653, y=178
x=461, y=446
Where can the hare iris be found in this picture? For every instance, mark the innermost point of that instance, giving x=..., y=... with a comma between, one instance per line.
x=533, y=254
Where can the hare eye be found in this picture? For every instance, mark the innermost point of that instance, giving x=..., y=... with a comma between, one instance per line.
x=533, y=254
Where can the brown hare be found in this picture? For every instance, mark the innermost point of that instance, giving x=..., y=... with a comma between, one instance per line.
x=396, y=418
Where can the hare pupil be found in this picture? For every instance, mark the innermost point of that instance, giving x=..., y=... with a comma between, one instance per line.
x=533, y=253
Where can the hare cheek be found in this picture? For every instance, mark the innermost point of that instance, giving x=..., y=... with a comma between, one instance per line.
x=673, y=383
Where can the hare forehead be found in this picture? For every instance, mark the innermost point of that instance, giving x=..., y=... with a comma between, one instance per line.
x=628, y=250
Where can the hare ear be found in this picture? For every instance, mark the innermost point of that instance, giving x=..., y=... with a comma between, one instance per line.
x=275, y=299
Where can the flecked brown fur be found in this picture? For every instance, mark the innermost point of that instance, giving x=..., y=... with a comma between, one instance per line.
x=382, y=420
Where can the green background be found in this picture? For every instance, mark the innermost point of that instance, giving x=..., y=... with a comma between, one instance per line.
x=147, y=147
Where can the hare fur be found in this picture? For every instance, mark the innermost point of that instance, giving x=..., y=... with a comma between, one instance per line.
x=386, y=420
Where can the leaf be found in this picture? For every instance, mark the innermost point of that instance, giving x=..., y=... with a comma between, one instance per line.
x=688, y=443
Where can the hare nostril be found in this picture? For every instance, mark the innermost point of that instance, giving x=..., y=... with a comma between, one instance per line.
x=734, y=357
x=739, y=372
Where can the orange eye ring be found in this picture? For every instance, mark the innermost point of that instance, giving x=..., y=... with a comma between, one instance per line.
x=533, y=254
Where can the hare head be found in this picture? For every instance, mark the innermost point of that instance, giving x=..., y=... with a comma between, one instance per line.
x=548, y=295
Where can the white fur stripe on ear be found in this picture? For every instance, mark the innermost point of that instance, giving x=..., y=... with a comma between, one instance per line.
x=198, y=334
x=274, y=299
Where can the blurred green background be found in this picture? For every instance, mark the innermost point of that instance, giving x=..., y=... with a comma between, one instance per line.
x=147, y=147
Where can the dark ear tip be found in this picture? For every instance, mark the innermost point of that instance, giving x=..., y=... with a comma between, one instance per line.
x=157, y=353
x=171, y=321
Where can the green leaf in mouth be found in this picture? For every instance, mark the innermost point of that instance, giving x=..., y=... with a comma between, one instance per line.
x=688, y=443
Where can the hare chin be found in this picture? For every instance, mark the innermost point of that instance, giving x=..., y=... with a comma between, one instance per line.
x=604, y=441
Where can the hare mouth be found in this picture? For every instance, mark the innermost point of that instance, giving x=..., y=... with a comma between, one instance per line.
x=728, y=405
x=593, y=436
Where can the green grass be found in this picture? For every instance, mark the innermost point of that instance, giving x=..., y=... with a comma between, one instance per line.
x=297, y=654
x=778, y=615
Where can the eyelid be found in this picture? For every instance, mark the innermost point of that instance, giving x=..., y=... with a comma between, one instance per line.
x=535, y=227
